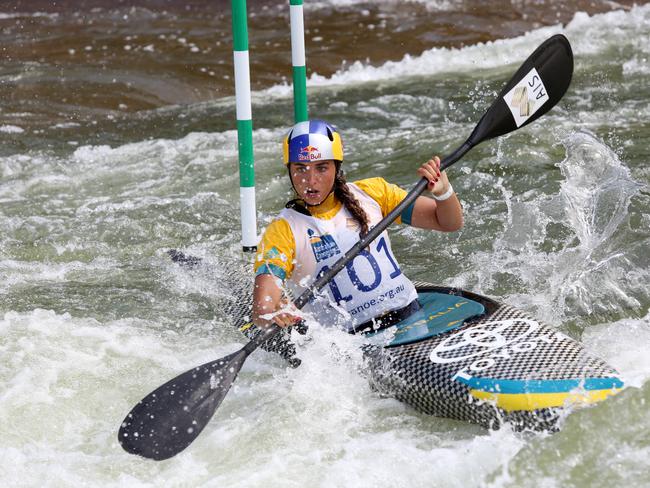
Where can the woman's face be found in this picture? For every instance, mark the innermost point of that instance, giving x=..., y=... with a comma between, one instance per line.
x=313, y=181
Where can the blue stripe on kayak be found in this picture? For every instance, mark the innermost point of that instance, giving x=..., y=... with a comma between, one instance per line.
x=540, y=386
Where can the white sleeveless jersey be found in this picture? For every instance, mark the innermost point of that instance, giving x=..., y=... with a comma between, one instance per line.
x=367, y=287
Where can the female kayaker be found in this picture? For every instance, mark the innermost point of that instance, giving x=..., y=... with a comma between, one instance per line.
x=326, y=220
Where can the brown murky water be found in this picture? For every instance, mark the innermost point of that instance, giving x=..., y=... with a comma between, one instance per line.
x=76, y=59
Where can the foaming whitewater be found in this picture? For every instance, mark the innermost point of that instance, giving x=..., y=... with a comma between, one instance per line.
x=61, y=395
x=589, y=35
x=17, y=15
x=431, y=5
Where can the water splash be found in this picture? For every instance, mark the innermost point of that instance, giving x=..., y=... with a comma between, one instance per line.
x=596, y=192
x=597, y=189
x=563, y=255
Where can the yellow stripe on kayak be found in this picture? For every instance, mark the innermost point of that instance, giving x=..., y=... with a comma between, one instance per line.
x=246, y=326
x=534, y=401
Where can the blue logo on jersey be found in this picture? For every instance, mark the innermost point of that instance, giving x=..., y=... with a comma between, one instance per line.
x=324, y=246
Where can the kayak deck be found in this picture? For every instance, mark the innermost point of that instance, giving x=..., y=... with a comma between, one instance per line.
x=500, y=366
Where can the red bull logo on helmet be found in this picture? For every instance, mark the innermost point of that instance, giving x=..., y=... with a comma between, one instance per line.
x=312, y=141
x=309, y=153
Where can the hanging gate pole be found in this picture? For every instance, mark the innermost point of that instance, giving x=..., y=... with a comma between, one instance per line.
x=244, y=110
x=298, y=61
x=244, y=126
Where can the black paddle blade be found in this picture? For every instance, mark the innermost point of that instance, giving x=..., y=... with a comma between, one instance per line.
x=168, y=419
x=534, y=89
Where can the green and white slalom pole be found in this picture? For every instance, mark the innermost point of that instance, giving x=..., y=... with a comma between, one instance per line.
x=244, y=126
x=298, y=61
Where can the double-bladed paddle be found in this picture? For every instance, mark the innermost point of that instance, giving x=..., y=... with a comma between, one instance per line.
x=168, y=419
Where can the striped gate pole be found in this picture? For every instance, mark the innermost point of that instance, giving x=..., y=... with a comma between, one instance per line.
x=244, y=126
x=298, y=61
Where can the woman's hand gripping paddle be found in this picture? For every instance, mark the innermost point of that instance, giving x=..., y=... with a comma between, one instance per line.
x=168, y=419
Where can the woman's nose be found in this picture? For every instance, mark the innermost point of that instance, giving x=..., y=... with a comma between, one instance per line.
x=312, y=176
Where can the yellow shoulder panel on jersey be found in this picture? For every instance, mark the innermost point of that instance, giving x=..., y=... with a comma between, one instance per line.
x=387, y=195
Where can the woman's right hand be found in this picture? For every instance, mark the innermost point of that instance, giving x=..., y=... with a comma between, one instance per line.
x=283, y=317
x=269, y=304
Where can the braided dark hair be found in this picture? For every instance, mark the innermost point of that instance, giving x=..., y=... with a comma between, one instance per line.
x=343, y=193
